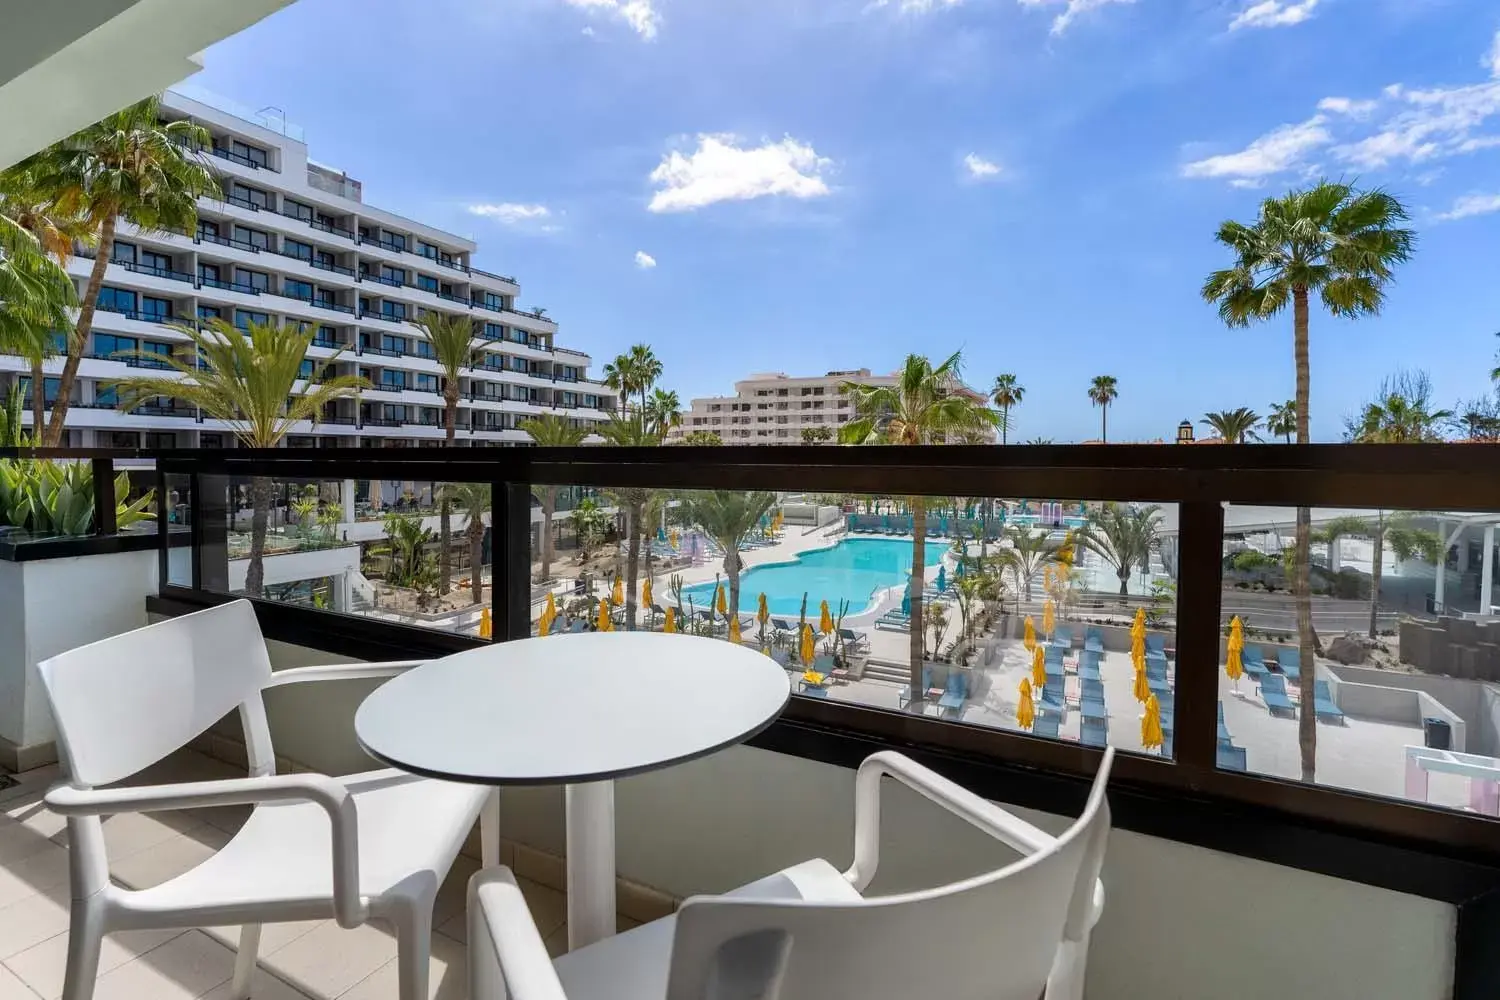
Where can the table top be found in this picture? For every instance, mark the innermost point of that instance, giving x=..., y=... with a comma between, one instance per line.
x=571, y=708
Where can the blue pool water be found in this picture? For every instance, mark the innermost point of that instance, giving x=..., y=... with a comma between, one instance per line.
x=854, y=570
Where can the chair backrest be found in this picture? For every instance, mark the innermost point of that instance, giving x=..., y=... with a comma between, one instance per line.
x=1044, y=725
x=125, y=702
x=958, y=683
x=994, y=935
x=1274, y=683
x=1093, y=632
x=1253, y=654
x=1289, y=656
x=1321, y=692
x=1063, y=634
x=1156, y=642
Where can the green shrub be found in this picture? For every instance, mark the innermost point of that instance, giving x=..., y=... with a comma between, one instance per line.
x=44, y=497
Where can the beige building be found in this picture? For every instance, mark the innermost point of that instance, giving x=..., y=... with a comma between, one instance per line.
x=776, y=408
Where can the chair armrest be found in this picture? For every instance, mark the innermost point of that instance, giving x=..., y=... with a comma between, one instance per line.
x=326, y=792
x=341, y=672
x=507, y=957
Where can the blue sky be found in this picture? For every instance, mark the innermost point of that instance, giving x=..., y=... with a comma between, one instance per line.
x=821, y=184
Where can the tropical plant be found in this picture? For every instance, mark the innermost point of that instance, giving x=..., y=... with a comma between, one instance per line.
x=816, y=435
x=1040, y=441
x=1282, y=422
x=1234, y=426
x=1342, y=245
x=728, y=517
x=550, y=431
x=663, y=412
x=453, y=348
x=1477, y=419
x=1399, y=531
x=1104, y=390
x=133, y=166
x=248, y=378
x=1027, y=553
x=637, y=370
x=1401, y=413
x=589, y=524
x=1123, y=535
x=703, y=438
x=1007, y=392
x=44, y=497
x=631, y=432
x=410, y=565
x=921, y=408
x=12, y=432
x=474, y=500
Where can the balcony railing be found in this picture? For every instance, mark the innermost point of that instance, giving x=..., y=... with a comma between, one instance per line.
x=325, y=227
x=228, y=286
x=241, y=159
x=490, y=274
x=335, y=268
x=154, y=271
x=382, y=279
x=384, y=244
x=377, y=314
x=239, y=202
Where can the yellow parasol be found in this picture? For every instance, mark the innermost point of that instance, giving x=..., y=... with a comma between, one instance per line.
x=1236, y=633
x=544, y=625
x=763, y=614
x=1065, y=553
x=825, y=621
x=1138, y=627
x=1138, y=645
x=646, y=594
x=670, y=625
x=807, y=645
x=722, y=601
x=550, y=611
x=1140, y=688
x=604, y=624
x=674, y=538
x=1151, y=734
x=734, y=629
x=486, y=627
x=1030, y=634
x=1232, y=666
x=618, y=597
x=1046, y=577
x=1025, y=711
x=1039, y=667
x=1049, y=617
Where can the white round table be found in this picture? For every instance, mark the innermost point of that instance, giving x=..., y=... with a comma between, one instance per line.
x=579, y=710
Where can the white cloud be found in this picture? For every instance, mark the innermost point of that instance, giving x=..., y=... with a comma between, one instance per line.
x=644, y=260
x=1273, y=14
x=1491, y=60
x=917, y=6
x=981, y=169
x=510, y=213
x=643, y=18
x=1071, y=10
x=1347, y=106
x=1472, y=204
x=1247, y=183
x=588, y=31
x=1277, y=151
x=721, y=169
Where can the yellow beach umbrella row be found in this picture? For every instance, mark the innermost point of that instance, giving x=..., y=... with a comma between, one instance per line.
x=1140, y=688
x=1151, y=734
x=808, y=650
x=720, y=601
x=1025, y=711
x=762, y=613
x=1049, y=617
x=825, y=620
x=1039, y=667
x=1030, y=634
x=670, y=624
x=604, y=624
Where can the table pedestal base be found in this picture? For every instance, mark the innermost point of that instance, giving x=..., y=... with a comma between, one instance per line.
x=591, y=862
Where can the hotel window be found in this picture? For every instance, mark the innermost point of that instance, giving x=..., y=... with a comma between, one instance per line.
x=208, y=272
x=427, y=250
x=123, y=253
x=427, y=382
x=324, y=259
x=210, y=312
x=209, y=439
x=254, y=237
x=396, y=274
x=116, y=300
x=156, y=263
x=159, y=310
x=393, y=311
x=253, y=196
x=298, y=249
x=258, y=280
x=305, y=370
x=396, y=240
x=103, y=395
x=493, y=301
x=392, y=343
x=163, y=351
x=298, y=289
x=210, y=229
x=297, y=210
x=422, y=349
x=328, y=335
x=244, y=317
x=427, y=283
x=161, y=439
x=253, y=154
x=325, y=296
x=123, y=439
x=107, y=345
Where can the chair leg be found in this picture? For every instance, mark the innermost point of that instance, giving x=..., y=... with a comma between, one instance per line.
x=489, y=830
x=85, y=937
x=244, y=961
x=413, y=949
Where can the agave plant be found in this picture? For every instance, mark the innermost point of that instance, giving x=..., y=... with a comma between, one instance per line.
x=57, y=498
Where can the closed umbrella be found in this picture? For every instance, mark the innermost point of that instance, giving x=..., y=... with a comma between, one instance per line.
x=1140, y=689
x=734, y=629
x=1039, y=667
x=1049, y=618
x=670, y=625
x=807, y=645
x=906, y=599
x=661, y=534
x=1030, y=634
x=1047, y=578
x=486, y=629
x=1236, y=633
x=618, y=597
x=1233, y=667
x=942, y=579
x=1139, y=625
x=1025, y=711
x=960, y=571
x=1138, y=644
x=722, y=601
x=604, y=624
x=762, y=612
x=646, y=594
x=1151, y=734
x=825, y=620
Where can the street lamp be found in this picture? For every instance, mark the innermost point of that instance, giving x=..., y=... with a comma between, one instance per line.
x=1185, y=432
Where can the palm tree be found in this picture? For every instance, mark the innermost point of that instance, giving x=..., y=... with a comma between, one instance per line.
x=1234, y=426
x=1103, y=391
x=1477, y=419
x=551, y=431
x=703, y=438
x=1027, y=553
x=248, y=379
x=728, y=516
x=1283, y=420
x=1344, y=246
x=920, y=409
x=1401, y=413
x=475, y=500
x=1007, y=393
x=1400, y=532
x=637, y=370
x=129, y=166
x=35, y=293
x=663, y=411
x=631, y=432
x=1123, y=536
x=452, y=340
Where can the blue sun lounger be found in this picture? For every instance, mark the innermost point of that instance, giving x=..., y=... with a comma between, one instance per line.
x=903, y=697
x=894, y=621
x=1254, y=662
x=1156, y=643
x=1062, y=637
x=1289, y=662
x=1323, y=704
x=1092, y=708
x=1094, y=732
x=1052, y=700
x=1045, y=725
x=1230, y=758
x=1093, y=640
x=952, y=700
x=1223, y=729
x=1273, y=693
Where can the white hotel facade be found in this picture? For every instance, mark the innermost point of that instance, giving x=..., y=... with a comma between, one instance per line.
x=293, y=242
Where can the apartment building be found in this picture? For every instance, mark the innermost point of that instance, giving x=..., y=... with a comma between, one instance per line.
x=776, y=408
x=292, y=241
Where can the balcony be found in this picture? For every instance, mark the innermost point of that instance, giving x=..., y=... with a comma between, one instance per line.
x=382, y=279
x=1207, y=841
x=334, y=306
x=389, y=245
x=332, y=229
x=228, y=286
x=347, y=272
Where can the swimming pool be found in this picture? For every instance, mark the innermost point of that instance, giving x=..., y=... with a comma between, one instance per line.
x=854, y=570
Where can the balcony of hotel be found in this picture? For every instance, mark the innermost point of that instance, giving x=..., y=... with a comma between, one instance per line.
x=1230, y=871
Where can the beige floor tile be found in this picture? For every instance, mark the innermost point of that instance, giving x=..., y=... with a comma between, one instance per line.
x=184, y=968
x=557, y=941
x=549, y=908
x=329, y=960
x=264, y=987
x=447, y=978
x=273, y=937
x=18, y=840
x=32, y=920
x=161, y=862
x=41, y=966
x=34, y=873
x=452, y=895
x=36, y=817
x=130, y=833
x=12, y=988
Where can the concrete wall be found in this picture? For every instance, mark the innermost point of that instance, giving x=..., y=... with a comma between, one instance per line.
x=1180, y=921
x=1472, y=702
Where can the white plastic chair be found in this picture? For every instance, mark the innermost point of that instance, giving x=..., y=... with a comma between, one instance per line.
x=370, y=845
x=807, y=933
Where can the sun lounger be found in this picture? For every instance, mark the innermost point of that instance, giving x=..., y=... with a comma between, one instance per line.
x=1052, y=654
x=1273, y=693
x=1289, y=662
x=1093, y=640
x=1090, y=657
x=1088, y=671
x=1094, y=732
x=1323, y=704
x=855, y=641
x=813, y=691
x=1062, y=636
x=1156, y=643
x=1166, y=743
x=1092, y=708
x=1156, y=669
x=1231, y=758
x=903, y=697
x=823, y=663
x=952, y=700
x=1254, y=662
x=894, y=622
x=1092, y=688
x=1045, y=725
x=1052, y=700
x=578, y=625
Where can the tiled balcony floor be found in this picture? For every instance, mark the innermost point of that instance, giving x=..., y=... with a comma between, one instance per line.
x=312, y=959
